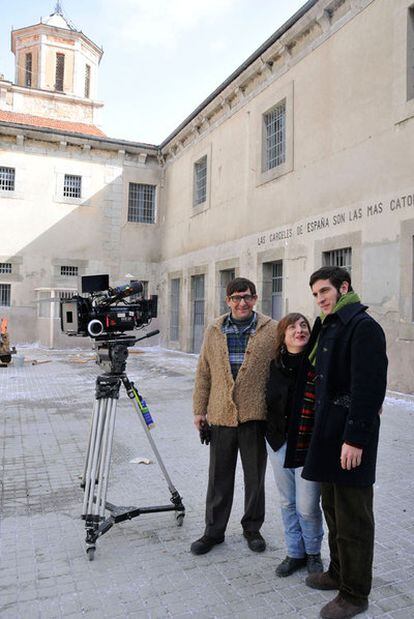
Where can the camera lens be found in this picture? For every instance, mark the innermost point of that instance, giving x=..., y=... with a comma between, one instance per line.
x=95, y=327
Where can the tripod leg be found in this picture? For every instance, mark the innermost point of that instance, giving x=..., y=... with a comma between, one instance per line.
x=86, y=481
x=175, y=497
x=93, y=458
x=105, y=460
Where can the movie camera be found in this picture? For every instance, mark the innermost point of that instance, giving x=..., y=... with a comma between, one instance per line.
x=105, y=315
x=101, y=313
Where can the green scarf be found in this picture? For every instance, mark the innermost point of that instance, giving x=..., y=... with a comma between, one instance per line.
x=345, y=299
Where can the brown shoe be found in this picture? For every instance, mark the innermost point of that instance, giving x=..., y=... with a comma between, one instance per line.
x=340, y=608
x=322, y=580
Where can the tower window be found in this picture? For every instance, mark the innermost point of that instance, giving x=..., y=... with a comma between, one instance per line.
x=87, y=81
x=28, y=70
x=60, y=71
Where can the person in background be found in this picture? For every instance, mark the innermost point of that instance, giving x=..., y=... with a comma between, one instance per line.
x=229, y=399
x=290, y=408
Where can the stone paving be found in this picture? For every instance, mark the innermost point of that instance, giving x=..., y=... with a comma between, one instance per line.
x=143, y=568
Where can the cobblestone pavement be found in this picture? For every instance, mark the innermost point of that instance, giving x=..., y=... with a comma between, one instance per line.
x=143, y=568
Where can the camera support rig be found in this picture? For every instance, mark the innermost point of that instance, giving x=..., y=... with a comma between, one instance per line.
x=112, y=356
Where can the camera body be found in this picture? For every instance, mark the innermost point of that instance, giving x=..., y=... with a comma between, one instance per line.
x=101, y=313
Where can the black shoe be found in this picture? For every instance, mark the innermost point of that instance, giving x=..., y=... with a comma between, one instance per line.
x=255, y=541
x=322, y=581
x=290, y=565
x=314, y=564
x=340, y=608
x=205, y=544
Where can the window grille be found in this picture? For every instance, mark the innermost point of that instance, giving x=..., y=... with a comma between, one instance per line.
x=66, y=294
x=5, y=290
x=7, y=177
x=275, y=137
x=200, y=181
x=69, y=271
x=87, y=80
x=273, y=289
x=175, y=310
x=60, y=72
x=410, y=54
x=6, y=267
x=338, y=258
x=28, y=70
x=141, y=203
x=225, y=278
x=197, y=297
x=72, y=186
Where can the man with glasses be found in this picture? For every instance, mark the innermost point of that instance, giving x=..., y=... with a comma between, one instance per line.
x=229, y=401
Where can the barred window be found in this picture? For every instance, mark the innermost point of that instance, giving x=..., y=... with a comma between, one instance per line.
x=272, y=302
x=274, y=137
x=5, y=290
x=338, y=258
x=410, y=54
x=200, y=181
x=6, y=267
x=225, y=278
x=7, y=176
x=141, y=203
x=87, y=80
x=175, y=310
x=60, y=72
x=72, y=186
x=28, y=70
x=66, y=294
x=69, y=271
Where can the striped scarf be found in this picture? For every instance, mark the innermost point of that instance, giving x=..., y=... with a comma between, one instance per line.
x=306, y=420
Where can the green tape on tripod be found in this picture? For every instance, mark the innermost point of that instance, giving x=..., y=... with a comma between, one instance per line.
x=145, y=412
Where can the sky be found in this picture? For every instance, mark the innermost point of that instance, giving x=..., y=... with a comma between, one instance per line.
x=162, y=58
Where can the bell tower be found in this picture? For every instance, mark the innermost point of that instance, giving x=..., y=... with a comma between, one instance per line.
x=54, y=56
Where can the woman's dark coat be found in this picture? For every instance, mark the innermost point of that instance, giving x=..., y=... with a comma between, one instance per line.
x=351, y=374
x=285, y=388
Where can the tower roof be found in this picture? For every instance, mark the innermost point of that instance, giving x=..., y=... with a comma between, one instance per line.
x=58, y=20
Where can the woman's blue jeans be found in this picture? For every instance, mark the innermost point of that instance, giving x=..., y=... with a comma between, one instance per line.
x=300, y=506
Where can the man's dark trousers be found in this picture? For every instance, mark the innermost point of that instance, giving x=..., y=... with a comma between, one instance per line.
x=348, y=513
x=248, y=438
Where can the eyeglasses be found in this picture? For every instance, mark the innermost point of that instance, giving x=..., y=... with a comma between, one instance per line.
x=248, y=298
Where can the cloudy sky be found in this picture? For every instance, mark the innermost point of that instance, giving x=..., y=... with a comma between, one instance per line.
x=161, y=57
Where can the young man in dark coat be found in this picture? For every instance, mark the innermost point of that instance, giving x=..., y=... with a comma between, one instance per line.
x=348, y=352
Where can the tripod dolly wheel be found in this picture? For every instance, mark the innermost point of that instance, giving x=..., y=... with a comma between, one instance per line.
x=90, y=553
x=180, y=519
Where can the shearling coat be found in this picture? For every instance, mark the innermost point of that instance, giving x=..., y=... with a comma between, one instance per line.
x=351, y=376
x=226, y=401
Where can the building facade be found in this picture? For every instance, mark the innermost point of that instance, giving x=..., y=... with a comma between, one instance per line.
x=302, y=157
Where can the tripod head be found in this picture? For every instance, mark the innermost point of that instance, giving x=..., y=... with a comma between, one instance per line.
x=112, y=352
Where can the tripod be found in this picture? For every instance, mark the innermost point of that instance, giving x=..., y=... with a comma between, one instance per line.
x=112, y=356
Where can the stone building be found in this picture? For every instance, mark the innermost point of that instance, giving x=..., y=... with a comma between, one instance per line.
x=302, y=157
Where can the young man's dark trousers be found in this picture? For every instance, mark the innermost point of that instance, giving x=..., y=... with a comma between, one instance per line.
x=349, y=515
x=248, y=438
